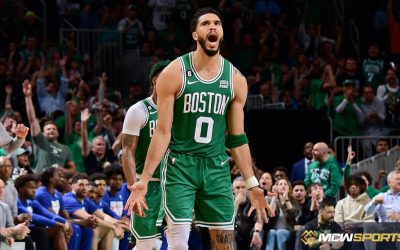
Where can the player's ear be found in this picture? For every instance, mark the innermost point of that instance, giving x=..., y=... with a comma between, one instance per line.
x=194, y=35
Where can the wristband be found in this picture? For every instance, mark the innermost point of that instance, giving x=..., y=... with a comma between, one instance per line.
x=233, y=141
x=251, y=182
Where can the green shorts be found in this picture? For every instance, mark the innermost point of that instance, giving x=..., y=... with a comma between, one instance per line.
x=144, y=228
x=202, y=184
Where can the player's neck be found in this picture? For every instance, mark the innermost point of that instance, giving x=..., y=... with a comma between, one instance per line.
x=202, y=62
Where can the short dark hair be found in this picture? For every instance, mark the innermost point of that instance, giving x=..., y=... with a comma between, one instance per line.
x=48, y=122
x=280, y=168
x=201, y=12
x=79, y=176
x=46, y=175
x=114, y=169
x=299, y=183
x=325, y=203
x=97, y=176
x=23, y=179
x=355, y=180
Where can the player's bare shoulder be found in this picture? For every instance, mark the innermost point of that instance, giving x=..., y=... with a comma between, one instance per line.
x=171, y=77
x=239, y=82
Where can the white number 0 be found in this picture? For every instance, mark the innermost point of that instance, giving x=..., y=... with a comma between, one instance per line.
x=199, y=124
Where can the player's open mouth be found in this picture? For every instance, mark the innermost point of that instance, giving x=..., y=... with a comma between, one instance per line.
x=212, y=38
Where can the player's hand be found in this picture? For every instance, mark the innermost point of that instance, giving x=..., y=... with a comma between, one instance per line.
x=136, y=201
x=259, y=203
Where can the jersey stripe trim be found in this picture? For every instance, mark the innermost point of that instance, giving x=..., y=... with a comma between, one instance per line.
x=221, y=69
x=147, y=115
x=183, y=78
x=231, y=82
x=151, y=102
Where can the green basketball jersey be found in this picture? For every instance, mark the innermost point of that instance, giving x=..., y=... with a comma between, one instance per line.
x=200, y=110
x=373, y=72
x=146, y=132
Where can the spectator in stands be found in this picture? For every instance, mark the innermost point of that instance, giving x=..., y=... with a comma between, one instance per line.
x=79, y=206
x=344, y=123
x=320, y=86
x=317, y=195
x=351, y=76
x=266, y=182
x=382, y=146
x=51, y=199
x=47, y=150
x=371, y=115
x=350, y=210
x=243, y=223
x=286, y=211
x=371, y=191
x=132, y=32
x=72, y=135
x=8, y=230
x=131, y=28
x=22, y=164
x=30, y=58
x=325, y=222
x=115, y=199
x=373, y=67
x=299, y=168
x=161, y=11
x=299, y=194
x=11, y=144
x=52, y=98
x=280, y=172
x=96, y=157
x=10, y=193
x=46, y=226
x=97, y=189
x=324, y=170
x=389, y=93
x=387, y=205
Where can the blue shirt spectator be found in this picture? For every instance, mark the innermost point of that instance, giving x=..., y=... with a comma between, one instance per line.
x=47, y=200
x=40, y=215
x=72, y=204
x=387, y=205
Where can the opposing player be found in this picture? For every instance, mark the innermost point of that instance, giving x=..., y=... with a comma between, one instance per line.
x=139, y=125
x=199, y=96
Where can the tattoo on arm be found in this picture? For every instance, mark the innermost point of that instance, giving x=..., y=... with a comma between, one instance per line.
x=236, y=71
x=127, y=141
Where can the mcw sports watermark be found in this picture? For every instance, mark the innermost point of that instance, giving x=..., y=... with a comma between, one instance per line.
x=309, y=237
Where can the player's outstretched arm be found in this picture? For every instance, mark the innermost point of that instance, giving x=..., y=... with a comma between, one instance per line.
x=241, y=153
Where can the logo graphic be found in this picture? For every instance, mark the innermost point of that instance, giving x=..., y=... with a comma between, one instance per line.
x=308, y=237
x=191, y=82
x=223, y=163
x=223, y=84
x=189, y=73
x=153, y=112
